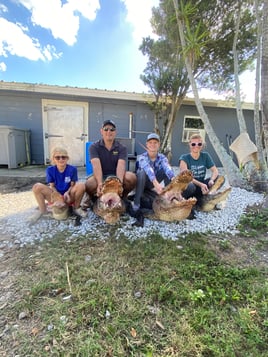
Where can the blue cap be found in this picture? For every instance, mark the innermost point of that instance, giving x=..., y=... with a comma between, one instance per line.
x=108, y=122
x=153, y=136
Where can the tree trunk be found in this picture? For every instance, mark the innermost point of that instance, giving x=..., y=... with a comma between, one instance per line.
x=167, y=139
x=255, y=172
x=239, y=111
x=264, y=78
x=258, y=84
x=261, y=182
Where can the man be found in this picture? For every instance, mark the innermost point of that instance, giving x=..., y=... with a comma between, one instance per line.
x=152, y=168
x=108, y=158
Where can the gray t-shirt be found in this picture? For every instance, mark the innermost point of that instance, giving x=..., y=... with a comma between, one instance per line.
x=198, y=167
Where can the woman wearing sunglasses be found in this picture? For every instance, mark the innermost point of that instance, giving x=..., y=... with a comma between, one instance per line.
x=61, y=179
x=198, y=162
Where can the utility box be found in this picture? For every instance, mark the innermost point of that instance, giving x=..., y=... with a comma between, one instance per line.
x=14, y=147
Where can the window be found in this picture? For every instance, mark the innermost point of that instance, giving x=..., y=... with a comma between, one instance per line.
x=192, y=125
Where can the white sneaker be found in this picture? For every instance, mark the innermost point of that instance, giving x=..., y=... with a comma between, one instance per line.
x=221, y=205
x=35, y=217
x=80, y=212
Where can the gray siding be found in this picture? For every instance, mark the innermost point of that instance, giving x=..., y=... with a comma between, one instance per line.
x=118, y=111
x=24, y=110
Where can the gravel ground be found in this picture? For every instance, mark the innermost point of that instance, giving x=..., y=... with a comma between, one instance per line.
x=17, y=208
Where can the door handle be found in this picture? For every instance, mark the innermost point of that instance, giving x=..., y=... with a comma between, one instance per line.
x=82, y=137
x=52, y=136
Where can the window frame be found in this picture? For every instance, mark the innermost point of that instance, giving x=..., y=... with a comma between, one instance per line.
x=187, y=132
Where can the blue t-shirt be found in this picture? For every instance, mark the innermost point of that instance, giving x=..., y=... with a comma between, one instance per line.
x=198, y=167
x=62, y=180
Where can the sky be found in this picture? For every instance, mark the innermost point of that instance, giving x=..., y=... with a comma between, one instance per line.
x=79, y=43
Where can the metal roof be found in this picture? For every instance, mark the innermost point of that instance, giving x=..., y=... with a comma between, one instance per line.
x=108, y=94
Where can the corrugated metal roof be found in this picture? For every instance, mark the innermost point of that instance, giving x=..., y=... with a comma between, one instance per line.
x=108, y=94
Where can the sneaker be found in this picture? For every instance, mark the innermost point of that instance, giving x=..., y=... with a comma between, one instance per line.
x=132, y=211
x=80, y=212
x=35, y=217
x=192, y=215
x=139, y=219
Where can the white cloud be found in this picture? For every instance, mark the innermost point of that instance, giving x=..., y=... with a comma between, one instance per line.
x=54, y=16
x=14, y=41
x=3, y=67
x=3, y=8
x=60, y=19
x=139, y=13
x=87, y=8
x=50, y=52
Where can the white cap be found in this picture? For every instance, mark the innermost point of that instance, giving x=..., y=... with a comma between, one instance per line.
x=153, y=136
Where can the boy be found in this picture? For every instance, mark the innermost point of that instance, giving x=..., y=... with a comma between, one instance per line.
x=61, y=181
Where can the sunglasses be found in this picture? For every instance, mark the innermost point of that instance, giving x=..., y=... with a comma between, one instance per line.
x=196, y=144
x=60, y=157
x=109, y=129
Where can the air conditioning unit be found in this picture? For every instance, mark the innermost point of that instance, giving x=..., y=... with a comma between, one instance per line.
x=188, y=132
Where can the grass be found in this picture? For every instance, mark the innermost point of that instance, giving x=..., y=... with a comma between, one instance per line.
x=254, y=222
x=151, y=297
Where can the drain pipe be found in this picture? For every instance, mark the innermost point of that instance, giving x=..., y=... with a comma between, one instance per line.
x=130, y=125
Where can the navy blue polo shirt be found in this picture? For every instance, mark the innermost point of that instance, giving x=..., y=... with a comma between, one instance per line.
x=108, y=158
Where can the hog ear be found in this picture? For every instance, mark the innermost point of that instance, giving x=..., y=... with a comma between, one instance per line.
x=56, y=196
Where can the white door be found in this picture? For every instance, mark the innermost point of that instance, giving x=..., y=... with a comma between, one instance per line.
x=65, y=124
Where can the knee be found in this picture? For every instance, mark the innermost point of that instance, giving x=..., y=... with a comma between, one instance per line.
x=141, y=175
x=190, y=190
x=37, y=187
x=130, y=179
x=91, y=185
x=79, y=188
x=82, y=186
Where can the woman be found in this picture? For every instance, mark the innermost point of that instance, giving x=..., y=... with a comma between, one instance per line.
x=61, y=179
x=198, y=162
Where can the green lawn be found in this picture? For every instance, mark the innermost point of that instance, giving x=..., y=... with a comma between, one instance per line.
x=148, y=297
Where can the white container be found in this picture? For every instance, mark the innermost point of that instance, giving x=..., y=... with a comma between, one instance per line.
x=14, y=147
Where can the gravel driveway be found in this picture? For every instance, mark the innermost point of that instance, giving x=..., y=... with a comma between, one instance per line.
x=17, y=207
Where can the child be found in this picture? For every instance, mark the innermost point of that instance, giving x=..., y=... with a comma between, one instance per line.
x=61, y=179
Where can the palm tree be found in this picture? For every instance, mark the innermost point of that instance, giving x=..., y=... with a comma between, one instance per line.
x=234, y=175
x=264, y=78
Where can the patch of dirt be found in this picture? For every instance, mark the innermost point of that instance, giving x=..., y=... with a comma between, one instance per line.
x=241, y=251
x=14, y=184
x=248, y=248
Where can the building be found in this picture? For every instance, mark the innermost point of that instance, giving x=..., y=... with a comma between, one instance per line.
x=72, y=117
